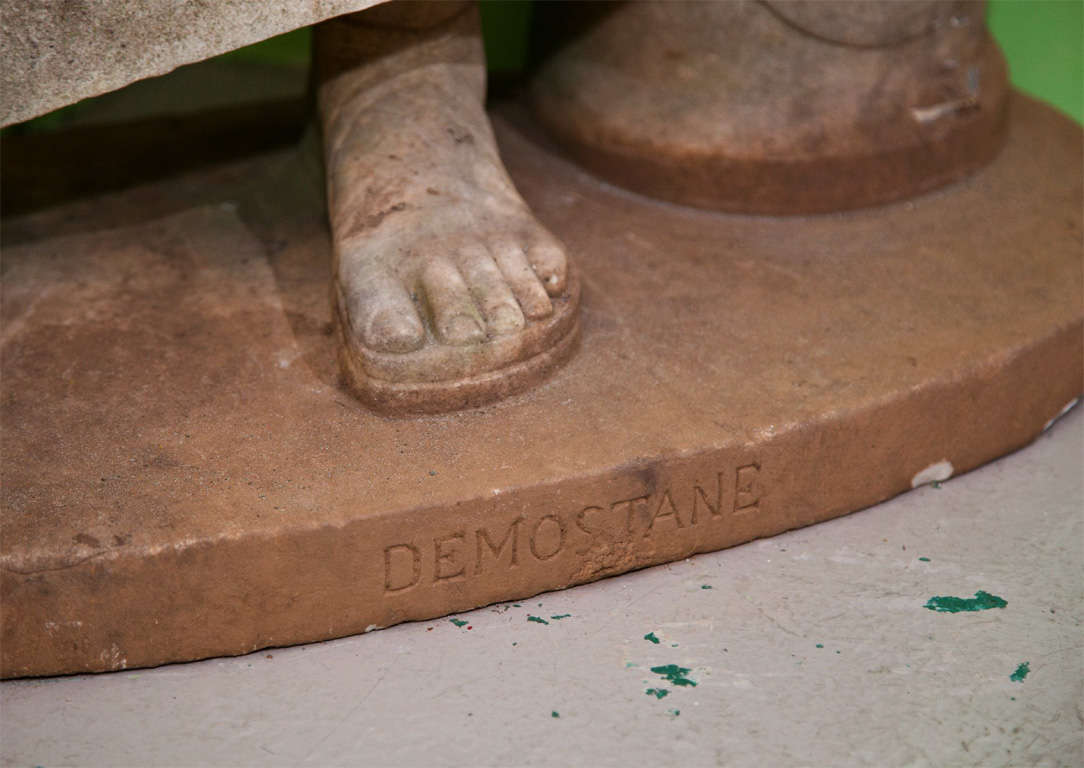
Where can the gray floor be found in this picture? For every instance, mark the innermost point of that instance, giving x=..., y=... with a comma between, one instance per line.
x=894, y=683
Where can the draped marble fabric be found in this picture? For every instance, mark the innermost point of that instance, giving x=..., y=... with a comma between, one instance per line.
x=56, y=52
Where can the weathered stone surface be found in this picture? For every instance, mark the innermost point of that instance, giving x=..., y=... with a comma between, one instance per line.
x=778, y=107
x=448, y=292
x=183, y=476
x=54, y=53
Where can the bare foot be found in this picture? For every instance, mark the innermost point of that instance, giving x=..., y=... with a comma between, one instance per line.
x=447, y=290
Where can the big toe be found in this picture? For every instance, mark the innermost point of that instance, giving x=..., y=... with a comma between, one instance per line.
x=394, y=329
x=383, y=316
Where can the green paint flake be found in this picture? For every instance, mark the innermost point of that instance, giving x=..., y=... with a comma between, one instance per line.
x=458, y=622
x=561, y=616
x=924, y=559
x=705, y=586
x=629, y=664
x=555, y=713
x=673, y=645
x=820, y=645
x=650, y=637
x=537, y=619
x=658, y=693
x=982, y=601
x=937, y=485
x=674, y=674
x=675, y=712
x=516, y=605
x=1020, y=673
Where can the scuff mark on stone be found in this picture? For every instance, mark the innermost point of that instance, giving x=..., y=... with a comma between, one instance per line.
x=935, y=473
x=1065, y=409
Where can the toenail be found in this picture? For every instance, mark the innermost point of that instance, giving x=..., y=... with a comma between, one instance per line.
x=537, y=307
x=464, y=328
x=392, y=331
x=506, y=318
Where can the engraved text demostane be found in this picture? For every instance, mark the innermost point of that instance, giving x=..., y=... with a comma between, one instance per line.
x=507, y=543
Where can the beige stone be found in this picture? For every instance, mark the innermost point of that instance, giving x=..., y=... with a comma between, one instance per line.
x=447, y=291
x=183, y=477
x=55, y=52
x=780, y=107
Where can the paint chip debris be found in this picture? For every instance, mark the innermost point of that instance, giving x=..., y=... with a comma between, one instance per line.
x=458, y=622
x=658, y=693
x=560, y=616
x=651, y=638
x=674, y=674
x=705, y=586
x=555, y=713
x=537, y=619
x=1020, y=673
x=982, y=601
x=935, y=473
x=924, y=559
x=675, y=712
x=820, y=645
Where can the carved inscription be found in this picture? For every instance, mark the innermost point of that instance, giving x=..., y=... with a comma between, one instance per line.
x=510, y=535
x=505, y=545
x=746, y=490
x=393, y=558
x=549, y=544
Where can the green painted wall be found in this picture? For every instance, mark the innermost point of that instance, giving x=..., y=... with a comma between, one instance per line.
x=1043, y=41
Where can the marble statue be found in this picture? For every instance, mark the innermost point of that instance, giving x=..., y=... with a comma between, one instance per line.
x=449, y=292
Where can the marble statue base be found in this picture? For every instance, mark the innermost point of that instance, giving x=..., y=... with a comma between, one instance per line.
x=184, y=476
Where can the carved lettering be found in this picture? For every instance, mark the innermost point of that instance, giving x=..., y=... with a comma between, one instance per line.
x=393, y=567
x=581, y=519
x=482, y=536
x=632, y=506
x=555, y=520
x=445, y=552
x=747, y=489
x=716, y=509
x=666, y=501
x=595, y=527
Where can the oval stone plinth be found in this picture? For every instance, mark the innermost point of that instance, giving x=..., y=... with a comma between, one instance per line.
x=184, y=476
